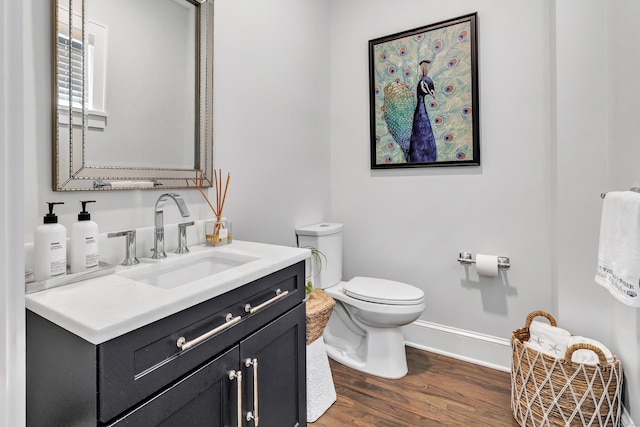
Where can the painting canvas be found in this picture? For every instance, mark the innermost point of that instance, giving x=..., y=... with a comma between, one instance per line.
x=424, y=96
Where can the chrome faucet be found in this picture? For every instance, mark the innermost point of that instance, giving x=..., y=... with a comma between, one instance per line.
x=158, y=242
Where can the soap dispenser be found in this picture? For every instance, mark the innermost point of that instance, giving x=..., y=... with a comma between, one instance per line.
x=84, y=242
x=50, y=247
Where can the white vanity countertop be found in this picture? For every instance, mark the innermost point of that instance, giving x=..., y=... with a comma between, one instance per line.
x=106, y=307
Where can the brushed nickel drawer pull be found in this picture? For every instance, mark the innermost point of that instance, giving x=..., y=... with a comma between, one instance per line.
x=237, y=375
x=230, y=320
x=253, y=415
x=279, y=294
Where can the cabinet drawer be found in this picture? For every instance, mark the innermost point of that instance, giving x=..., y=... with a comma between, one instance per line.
x=142, y=362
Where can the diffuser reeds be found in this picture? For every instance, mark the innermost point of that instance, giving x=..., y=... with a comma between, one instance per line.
x=221, y=196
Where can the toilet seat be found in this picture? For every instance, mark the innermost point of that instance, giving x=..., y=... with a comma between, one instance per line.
x=382, y=291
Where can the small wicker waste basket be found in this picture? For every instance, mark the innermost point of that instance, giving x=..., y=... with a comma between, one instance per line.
x=321, y=392
x=550, y=391
x=319, y=309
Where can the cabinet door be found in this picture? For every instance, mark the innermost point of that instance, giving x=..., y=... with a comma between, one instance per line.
x=206, y=397
x=280, y=351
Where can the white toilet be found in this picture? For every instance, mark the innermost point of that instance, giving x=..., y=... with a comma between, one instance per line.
x=365, y=329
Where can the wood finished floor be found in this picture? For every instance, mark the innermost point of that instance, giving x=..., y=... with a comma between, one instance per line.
x=437, y=391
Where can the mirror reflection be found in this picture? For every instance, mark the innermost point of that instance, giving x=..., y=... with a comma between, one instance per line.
x=133, y=89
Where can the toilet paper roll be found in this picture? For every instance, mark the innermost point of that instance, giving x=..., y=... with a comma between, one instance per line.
x=487, y=265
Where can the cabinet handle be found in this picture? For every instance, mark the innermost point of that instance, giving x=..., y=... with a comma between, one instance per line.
x=237, y=375
x=253, y=415
x=279, y=294
x=184, y=344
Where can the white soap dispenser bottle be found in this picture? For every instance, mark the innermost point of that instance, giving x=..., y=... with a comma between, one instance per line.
x=84, y=242
x=50, y=247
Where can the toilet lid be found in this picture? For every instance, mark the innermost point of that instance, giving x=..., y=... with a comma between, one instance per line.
x=383, y=291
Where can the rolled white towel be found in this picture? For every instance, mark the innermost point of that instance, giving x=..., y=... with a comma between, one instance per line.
x=585, y=356
x=547, y=339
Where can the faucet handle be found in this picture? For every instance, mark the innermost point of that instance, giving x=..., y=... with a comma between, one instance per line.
x=182, y=237
x=130, y=248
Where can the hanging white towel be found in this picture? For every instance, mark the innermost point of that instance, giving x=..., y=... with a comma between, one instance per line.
x=588, y=357
x=619, y=249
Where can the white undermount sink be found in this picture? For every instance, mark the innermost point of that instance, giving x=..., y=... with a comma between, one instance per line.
x=174, y=273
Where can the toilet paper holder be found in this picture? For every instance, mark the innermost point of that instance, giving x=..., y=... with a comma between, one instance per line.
x=466, y=258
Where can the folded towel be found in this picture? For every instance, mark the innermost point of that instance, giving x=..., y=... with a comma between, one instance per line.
x=585, y=356
x=619, y=248
x=547, y=339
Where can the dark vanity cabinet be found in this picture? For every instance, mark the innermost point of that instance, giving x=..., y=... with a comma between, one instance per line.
x=242, y=357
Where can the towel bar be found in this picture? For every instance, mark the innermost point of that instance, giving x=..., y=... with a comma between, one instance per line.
x=100, y=184
x=634, y=189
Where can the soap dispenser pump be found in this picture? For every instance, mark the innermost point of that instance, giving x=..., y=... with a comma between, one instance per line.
x=84, y=242
x=50, y=247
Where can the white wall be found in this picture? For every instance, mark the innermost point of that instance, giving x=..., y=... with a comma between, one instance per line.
x=410, y=225
x=12, y=113
x=581, y=156
x=271, y=114
x=624, y=152
x=597, y=89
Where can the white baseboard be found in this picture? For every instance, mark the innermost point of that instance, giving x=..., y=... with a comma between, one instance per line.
x=626, y=419
x=485, y=350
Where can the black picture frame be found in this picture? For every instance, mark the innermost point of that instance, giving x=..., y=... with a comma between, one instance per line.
x=424, y=108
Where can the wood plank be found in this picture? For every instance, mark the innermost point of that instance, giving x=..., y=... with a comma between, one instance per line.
x=437, y=391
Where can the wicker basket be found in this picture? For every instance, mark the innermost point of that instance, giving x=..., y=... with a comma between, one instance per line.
x=319, y=308
x=550, y=391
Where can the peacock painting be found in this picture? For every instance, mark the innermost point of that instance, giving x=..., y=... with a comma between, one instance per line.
x=423, y=96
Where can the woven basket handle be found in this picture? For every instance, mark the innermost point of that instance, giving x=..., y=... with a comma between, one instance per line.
x=537, y=313
x=584, y=346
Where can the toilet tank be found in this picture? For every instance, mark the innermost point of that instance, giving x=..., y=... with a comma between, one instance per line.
x=327, y=238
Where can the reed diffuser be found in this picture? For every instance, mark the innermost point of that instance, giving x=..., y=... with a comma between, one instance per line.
x=218, y=231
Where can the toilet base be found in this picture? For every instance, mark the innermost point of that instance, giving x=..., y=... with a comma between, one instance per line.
x=381, y=352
